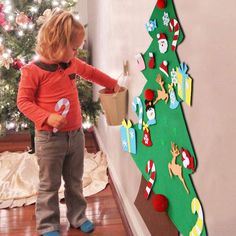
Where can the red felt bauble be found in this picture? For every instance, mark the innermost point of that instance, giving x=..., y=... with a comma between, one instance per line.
x=161, y=4
x=160, y=202
x=149, y=94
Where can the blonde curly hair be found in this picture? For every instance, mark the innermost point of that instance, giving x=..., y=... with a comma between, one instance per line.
x=57, y=33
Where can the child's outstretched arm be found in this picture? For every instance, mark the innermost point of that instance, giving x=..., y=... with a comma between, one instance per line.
x=94, y=75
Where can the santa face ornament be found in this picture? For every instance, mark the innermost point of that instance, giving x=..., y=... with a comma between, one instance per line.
x=163, y=44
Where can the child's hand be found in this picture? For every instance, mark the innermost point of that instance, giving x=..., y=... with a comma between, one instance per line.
x=56, y=121
x=117, y=88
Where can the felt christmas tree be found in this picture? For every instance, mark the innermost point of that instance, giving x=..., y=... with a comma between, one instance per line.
x=164, y=152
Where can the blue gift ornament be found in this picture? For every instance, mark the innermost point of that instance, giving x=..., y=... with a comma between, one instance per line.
x=128, y=137
x=151, y=25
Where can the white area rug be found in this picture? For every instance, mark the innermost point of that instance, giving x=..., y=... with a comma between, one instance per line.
x=19, y=177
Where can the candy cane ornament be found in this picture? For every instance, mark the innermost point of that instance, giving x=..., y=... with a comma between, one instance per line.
x=198, y=227
x=137, y=101
x=62, y=102
x=150, y=166
x=174, y=26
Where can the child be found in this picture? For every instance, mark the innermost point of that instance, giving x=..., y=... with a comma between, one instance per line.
x=46, y=86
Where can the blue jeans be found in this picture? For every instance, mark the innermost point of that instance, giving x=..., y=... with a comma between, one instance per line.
x=59, y=154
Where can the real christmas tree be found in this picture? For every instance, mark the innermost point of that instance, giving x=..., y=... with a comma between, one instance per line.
x=164, y=152
x=19, y=23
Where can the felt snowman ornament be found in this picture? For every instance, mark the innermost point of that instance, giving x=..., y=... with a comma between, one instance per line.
x=163, y=44
x=150, y=110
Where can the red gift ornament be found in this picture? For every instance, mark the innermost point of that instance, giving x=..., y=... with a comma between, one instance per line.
x=160, y=202
x=161, y=4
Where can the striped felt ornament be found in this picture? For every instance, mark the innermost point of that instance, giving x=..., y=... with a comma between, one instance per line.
x=174, y=26
x=150, y=166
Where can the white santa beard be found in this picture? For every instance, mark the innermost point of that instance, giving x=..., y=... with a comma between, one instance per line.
x=163, y=46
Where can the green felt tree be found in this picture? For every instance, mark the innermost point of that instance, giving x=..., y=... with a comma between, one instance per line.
x=164, y=152
x=19, y=23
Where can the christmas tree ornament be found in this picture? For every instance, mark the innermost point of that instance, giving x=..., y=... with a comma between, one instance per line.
x=137, y=102
x=163, y=44
x=46, y=14
x=198, y=227
x=161, y=4
x=22, y=19
x=161, y=94
x=140, y=62
x=175, y=169
x=150, y=167
x=151, y=25
x=173, y=101
x=164, y=68
x=146, y=136
x=6, y=60
x=160, y=202
x=128, y=137
x=150, y=110
x=187, y=159
x=184, y=83
x=17, y=64
x=174, y=26
x=63, y=103
x=151, y=63
x=166, y=19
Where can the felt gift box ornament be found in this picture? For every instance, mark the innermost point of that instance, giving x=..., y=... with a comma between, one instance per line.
x=146, y=136
x=184, y=83
x=128, y=137
x=140, y=62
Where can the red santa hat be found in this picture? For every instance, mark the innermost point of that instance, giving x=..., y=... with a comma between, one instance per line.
x=164, y=68
x=161, y=36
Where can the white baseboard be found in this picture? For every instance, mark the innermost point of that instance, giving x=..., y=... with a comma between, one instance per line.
x=128, y=206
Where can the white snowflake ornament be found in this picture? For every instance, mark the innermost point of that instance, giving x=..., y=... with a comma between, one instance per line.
x=166, y=19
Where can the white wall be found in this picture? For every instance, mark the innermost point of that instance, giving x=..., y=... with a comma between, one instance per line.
x=116, y=33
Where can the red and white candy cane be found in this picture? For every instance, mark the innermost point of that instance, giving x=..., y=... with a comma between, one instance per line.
x=174, y=25
x=62, y=102
x=150, y=166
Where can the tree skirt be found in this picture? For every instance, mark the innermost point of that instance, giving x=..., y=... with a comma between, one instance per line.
x=19, y=177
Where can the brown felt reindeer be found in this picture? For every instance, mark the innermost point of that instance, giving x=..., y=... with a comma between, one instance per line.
x=175, y=169
x=161, y=94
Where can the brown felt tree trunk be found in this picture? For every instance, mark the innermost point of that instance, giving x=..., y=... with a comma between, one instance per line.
x=158, y=223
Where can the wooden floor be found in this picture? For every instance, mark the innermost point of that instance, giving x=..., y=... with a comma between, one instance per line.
x=103, y=208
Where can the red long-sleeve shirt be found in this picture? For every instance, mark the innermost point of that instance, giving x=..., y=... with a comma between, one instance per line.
x=40, y=89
